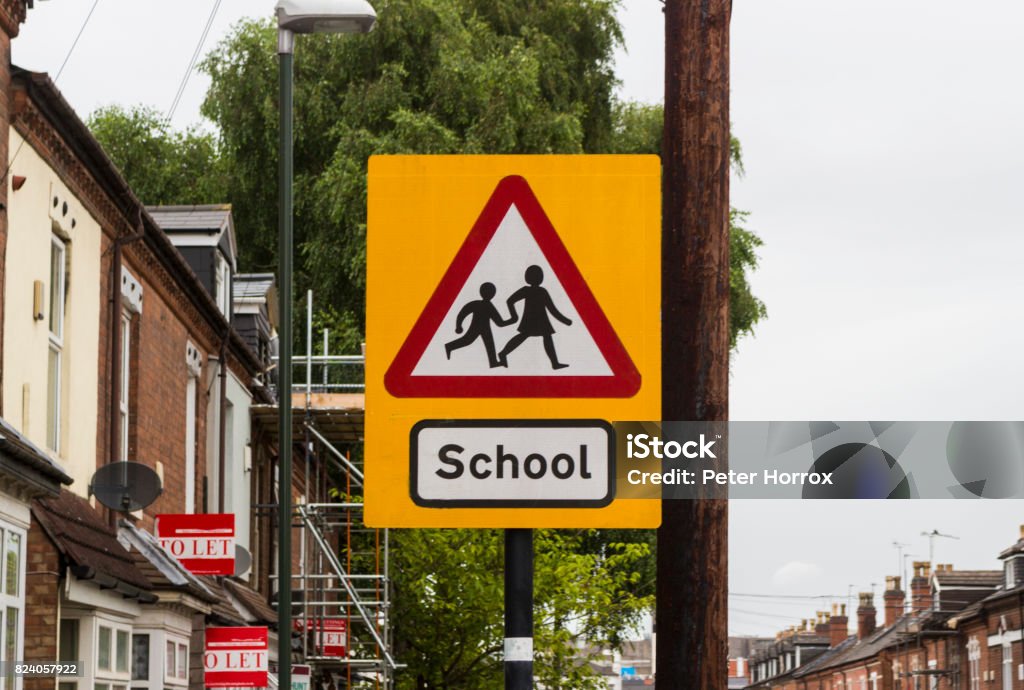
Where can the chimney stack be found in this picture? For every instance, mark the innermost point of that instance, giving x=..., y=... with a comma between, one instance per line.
x=894, y=598
x=920, y=587
x=866, y=616
x=838, y=625
x=821, y=627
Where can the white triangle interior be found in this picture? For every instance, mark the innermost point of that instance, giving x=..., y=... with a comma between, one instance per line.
x=512, y=249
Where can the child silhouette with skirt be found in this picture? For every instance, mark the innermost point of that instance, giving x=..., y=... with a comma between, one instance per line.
x=537, y=304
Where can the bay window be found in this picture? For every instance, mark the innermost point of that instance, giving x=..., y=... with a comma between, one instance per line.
x=159, y=658
x=102, y=645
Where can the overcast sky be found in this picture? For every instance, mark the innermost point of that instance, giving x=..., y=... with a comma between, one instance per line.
x=884, y=158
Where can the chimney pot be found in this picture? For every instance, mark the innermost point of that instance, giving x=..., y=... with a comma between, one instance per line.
x=1022, y=531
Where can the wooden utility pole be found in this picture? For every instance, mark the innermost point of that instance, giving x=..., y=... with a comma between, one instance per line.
x=692, y=587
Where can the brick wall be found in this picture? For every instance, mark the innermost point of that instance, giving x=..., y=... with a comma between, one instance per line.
x=158, y=384
x=159, y=379
x=196, y=647
x=42, y=583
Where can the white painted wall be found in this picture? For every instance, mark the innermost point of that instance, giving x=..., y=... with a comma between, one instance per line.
x=26, y=340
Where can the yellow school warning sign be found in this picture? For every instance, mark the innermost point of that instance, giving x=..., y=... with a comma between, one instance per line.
x=513, y=314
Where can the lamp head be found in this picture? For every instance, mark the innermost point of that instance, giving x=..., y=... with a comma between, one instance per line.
x=326, y=16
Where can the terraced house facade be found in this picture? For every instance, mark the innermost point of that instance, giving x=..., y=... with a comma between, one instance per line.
x=957, y=630
x=128, y=335
x=113, y=348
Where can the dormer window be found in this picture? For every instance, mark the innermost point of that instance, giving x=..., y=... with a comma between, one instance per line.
x=205, y=236
x=1010, y=576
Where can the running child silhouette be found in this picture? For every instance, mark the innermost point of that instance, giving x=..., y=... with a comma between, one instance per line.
x=537, y=304
x=481, y=313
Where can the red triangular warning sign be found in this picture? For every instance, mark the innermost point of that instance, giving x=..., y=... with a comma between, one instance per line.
x=512, y=318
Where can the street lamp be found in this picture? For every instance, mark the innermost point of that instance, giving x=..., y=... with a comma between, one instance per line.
x=295, y=17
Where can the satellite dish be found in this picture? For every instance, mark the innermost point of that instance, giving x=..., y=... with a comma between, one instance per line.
x=243, y=560
x=125, y=486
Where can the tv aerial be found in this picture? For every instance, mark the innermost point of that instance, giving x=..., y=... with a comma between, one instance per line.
x=125, y=486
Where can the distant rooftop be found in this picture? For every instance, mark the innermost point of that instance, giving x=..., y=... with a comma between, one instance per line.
x=969, y=578
x=198, y=218
x=252, y=286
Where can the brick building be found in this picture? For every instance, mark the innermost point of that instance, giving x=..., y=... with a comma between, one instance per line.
x=741, y=650
x=958, y=630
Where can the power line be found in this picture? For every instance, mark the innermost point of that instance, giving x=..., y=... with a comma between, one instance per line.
x=788, y=596
x=74, y=43
x=60, y=71
x=195, y=58
x=762, y=614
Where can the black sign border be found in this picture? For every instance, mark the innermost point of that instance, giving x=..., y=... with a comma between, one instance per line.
x=510, y=423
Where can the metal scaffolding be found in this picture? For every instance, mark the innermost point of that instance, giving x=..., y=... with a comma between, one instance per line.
x=340, y=576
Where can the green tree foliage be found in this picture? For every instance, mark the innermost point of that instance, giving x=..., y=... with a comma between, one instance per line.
x=637, y=128
x=162, y=165
x=436, y=76
x=449, y=599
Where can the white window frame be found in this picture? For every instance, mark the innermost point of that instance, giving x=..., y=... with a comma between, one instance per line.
x=160, y=676
x=55, y=317
x=126, y=372
x=171, y=664
x=112, y=676
x=191, y=386
x=1007, y=665
x=974, y=663
x=15, y=602
x=222, y=284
